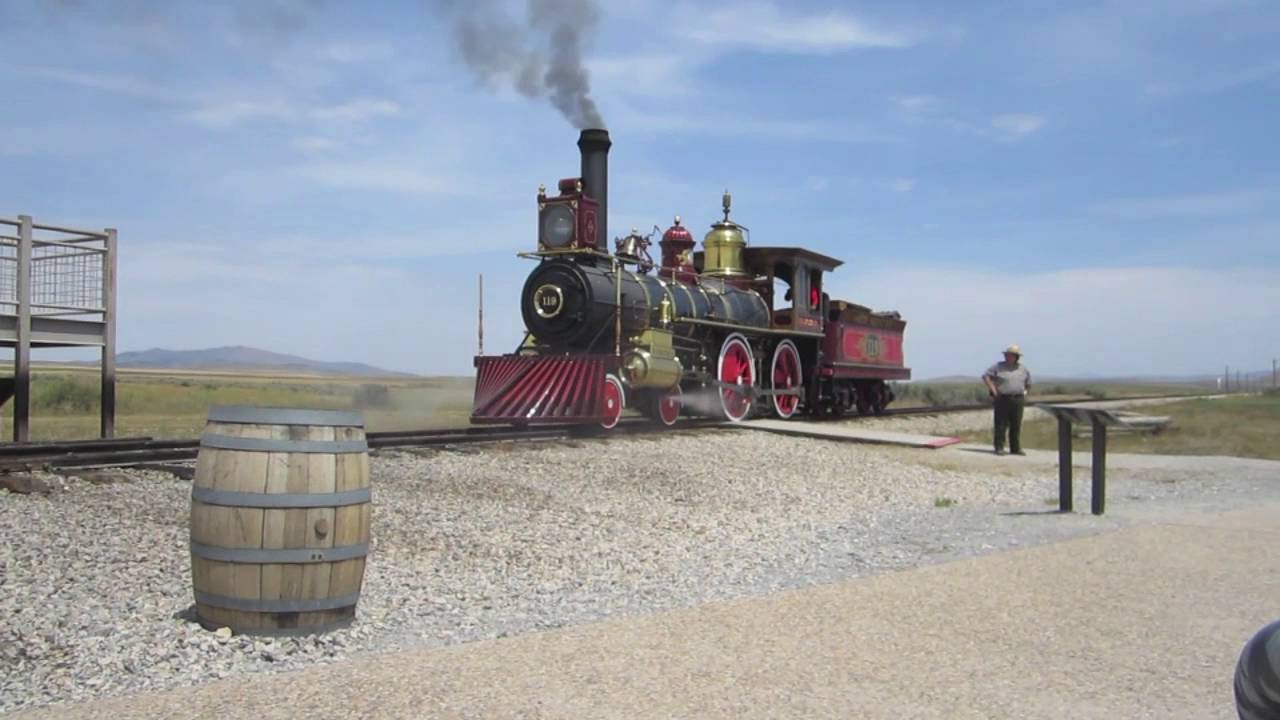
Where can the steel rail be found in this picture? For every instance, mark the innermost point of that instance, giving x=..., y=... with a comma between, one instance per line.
x=141, y=451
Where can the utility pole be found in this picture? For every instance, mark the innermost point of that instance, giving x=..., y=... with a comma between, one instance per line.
x=1226, y=379
x=1273, y=372
x=480, y=330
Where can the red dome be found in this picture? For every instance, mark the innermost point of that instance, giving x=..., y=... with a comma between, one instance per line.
x=677, y=233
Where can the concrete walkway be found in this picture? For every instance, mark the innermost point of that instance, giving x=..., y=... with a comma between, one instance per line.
x=1145, y=622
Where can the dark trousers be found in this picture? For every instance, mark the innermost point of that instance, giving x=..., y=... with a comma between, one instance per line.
x=1009, y=417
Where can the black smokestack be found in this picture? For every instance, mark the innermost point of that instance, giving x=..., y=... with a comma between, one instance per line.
x=540, y=57
x=594, y=144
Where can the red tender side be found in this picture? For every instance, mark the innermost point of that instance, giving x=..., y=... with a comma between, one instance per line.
x=859, y=344
x=540, y=389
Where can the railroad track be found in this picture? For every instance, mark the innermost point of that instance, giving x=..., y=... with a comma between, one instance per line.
x=148, y=451
x=125, y=452
x=140, y=451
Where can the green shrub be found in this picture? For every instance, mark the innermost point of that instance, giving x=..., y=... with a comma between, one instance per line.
x=372, y=396
x=64, y=394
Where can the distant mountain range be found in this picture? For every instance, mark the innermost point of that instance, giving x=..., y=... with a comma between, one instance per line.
x=243, y=358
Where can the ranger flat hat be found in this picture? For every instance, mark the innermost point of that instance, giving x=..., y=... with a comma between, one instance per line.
x=1014, y=349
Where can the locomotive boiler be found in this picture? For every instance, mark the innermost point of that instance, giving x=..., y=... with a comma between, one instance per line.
x=728, y=330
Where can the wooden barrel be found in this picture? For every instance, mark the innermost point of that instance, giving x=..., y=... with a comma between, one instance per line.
x=280, y=513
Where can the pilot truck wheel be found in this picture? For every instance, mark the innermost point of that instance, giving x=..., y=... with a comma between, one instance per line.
x=615, y=399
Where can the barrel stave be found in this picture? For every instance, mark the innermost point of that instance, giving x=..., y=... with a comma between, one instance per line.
x=283, y=528
x=321, y=475
x=349, y=527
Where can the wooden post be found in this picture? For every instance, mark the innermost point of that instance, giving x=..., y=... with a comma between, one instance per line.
x=22, y=353
x=108, y=419
x=480, y=321
x=1065, y=493
x=1099, y=493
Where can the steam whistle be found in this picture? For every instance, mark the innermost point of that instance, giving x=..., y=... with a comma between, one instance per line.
x=725, y=202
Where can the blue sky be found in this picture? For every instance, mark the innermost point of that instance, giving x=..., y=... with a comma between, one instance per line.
x=1095, y=181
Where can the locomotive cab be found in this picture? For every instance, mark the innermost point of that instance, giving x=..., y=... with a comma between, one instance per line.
x=801, y=306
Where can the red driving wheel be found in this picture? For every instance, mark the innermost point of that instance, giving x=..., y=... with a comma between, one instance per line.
x=736, y=368
x=614, y=400
x=787, y=375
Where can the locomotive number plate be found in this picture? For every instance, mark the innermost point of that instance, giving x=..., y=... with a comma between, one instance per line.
x=548, y=300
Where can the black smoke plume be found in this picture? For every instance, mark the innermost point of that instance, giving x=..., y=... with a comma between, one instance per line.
x=540, y=56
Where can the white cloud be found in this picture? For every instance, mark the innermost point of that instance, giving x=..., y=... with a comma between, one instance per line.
x=817, y=184
x=216, y=112
x=357, y=110
x=1222, y=204
x=1131, y=40
x=916, y=105
x=222, y=114
x=761, y=25
x=226, y=113
x=10, y=148
x=902, y=185
x=659, y=74
x=1214, y=82
x=706, y=122
x=343, y=306
x=933, y=110
x=387, y=177
x=1017, y=125
x=355, y=53
x=117, y=84
x=1102, y=320
x=316, y=144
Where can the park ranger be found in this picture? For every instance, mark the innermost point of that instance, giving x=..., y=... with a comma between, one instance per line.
x=1008, y=382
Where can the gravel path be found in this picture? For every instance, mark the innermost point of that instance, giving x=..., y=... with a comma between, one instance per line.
x=95, y=586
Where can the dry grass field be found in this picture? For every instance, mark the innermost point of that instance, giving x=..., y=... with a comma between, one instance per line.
x=1241, y=426
x=943, y=394
x=174, y=404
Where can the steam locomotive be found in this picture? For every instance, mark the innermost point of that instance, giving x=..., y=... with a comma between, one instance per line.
x=730, y=330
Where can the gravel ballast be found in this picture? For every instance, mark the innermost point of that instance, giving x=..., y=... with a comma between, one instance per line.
x=95, y=586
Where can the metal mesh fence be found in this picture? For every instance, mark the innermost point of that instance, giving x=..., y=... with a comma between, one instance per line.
x=67, y=270
x=8, y=276
x=66, y=278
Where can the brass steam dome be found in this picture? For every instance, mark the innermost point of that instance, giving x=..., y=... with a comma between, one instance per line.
x=724, y=245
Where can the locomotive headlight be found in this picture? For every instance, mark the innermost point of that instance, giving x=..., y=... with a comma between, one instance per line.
x=557, y=226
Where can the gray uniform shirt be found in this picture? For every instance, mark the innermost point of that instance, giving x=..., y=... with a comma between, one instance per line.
x=1009, y=378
